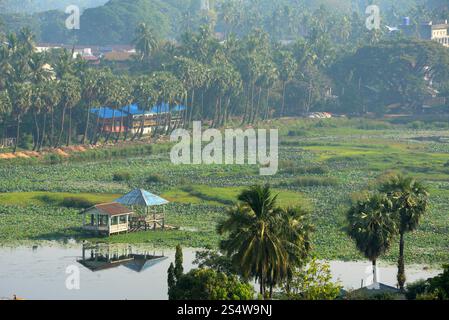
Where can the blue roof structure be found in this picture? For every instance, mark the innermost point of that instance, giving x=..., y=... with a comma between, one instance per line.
x=140, y=197
x=107, y=113
x=134, y=110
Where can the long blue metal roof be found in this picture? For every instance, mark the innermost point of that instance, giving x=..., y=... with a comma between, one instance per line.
x=140, y=197
x=107, y=113
x=133, y=109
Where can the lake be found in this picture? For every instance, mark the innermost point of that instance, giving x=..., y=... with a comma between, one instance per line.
x=127, y=272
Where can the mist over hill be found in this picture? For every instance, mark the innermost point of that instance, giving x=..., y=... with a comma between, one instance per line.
x=33, y=6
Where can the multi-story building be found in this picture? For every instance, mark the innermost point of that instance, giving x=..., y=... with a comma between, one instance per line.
x=427, y=31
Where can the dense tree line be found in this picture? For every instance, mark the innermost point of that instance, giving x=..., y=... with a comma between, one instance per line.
x=250, y=77
x=45, y=97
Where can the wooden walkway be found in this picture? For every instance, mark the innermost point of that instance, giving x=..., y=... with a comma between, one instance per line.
x=146, y=224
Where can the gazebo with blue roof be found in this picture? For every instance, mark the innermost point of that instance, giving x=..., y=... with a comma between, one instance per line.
x=144, y=199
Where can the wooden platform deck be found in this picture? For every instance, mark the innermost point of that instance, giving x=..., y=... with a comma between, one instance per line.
x=149, y=223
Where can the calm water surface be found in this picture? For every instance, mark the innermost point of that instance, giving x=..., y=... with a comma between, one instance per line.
x=40, y=272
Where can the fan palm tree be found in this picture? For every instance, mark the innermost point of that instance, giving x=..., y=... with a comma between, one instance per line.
x=410, y=202
x=372, y=226
x=254, y=243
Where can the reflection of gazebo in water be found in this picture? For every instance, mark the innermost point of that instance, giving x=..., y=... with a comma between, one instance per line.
x=146, y=205
x=100, y=257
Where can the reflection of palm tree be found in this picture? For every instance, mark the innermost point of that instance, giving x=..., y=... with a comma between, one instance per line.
x=372, y=227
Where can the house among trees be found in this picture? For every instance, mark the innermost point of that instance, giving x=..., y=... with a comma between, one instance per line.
x=107, y=218
x=427, y=31
x=135, y=120
x=110, y=120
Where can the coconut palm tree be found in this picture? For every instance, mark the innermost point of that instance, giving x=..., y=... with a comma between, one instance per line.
x=287, y=66
x=372, y=226
x=254, y=243
x=64, y=65
x=21, y=95
x=89, y=96
x=70, y=90
x=145, y=41
x=124, y=97
x=51, y=97
x=146, y=96
x=296, y=230
x=6, y=69
x=26, y=39
x=5, y=108
x=37, y=106
x=410, y=200
x=39, y=70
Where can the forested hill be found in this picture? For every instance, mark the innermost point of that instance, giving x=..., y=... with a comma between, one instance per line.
x=116, y=20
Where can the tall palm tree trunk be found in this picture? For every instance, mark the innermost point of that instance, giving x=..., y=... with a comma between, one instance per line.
x=401, y=266
x=69, y=133
x=283, y=99
x=245, y=112
x=268, y=105
x=37, y=136
x=375, y=280
x=62, y=128
x=86, y=128
x=192, y=108
x=112, y=127
x=17, y=134
x=95, y=131
x=52, y=128
x=44, y=129
x=120, y=129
